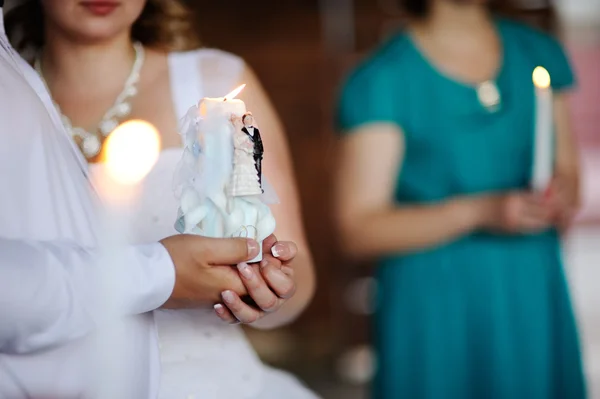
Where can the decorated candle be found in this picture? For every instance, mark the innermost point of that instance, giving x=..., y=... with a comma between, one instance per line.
x=543, y=155
x=221, y=190
x=228, y=105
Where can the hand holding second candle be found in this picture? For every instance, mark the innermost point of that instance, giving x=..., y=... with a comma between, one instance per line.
x=562, y=198
x=518, y=212
x=269, y=284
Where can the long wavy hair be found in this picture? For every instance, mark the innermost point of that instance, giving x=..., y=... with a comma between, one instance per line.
x=163, y=24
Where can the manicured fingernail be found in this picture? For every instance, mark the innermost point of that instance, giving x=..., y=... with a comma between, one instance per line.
x=278, y=250
x=252, y=249
x=245, y=270
x=227, y=296
x=219, y=308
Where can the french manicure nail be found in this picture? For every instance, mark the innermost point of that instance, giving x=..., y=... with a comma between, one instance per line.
x=245, y=270
x=219, y=308
x=252, y=248
x=227, y=296
x=277, y=250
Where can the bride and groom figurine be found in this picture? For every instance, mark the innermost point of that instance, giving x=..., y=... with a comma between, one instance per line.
x=221, y=189
x=246, y=176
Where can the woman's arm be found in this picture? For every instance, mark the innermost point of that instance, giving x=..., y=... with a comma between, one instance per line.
x=277, y=168
x=372, y=224
x=565, y=188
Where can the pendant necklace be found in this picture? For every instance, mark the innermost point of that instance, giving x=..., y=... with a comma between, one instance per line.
x=90, y=143
x=489, y=95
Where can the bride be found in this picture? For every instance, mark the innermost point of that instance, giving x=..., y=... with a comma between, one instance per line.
x=106, y=62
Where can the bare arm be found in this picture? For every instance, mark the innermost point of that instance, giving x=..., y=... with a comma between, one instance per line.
x=370, y=221
x=277, y=168
x=567, y=155
x=565, y=194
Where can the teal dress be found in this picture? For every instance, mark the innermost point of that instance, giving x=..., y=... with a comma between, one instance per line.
x=485, y=316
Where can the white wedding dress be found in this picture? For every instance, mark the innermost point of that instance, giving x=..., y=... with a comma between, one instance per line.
x=201, y=356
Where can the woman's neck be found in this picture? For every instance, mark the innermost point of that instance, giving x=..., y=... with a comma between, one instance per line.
x=73, y=65
x=450, y=22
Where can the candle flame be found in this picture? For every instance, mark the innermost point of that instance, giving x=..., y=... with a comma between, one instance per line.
x=541, y=77
x=131, y=151
x=234, y=93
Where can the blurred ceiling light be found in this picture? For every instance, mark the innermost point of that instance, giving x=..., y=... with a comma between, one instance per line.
x=131, y=151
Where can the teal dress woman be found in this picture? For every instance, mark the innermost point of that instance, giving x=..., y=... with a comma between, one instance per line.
x=472, y=298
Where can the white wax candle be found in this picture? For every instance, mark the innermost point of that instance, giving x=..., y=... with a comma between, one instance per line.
x=543, y=161
x=227, y=215
x=222, y=106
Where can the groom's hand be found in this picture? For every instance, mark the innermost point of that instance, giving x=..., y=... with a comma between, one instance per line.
x=203, y=268
x=269, y=285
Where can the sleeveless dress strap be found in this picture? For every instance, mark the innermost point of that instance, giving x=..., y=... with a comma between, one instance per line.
x=186, y=71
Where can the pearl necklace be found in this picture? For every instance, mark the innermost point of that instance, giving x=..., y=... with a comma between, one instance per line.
x=90, y=143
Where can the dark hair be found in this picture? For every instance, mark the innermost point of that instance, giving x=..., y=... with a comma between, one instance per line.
x=163, y=24
x=544, y=18
x=247, y=114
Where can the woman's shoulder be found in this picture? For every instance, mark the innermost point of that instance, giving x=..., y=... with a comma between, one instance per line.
x=541, y=48
x=217, y=70
x=533, y=39
x=371, y=90
x=390, y=55
x=383, y=68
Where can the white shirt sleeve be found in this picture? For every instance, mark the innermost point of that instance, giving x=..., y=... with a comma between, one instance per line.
x=46, y=291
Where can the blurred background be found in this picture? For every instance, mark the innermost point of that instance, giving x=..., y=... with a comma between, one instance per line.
x=301, y=66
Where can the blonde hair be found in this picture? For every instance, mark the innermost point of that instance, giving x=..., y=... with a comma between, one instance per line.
x=164, y=24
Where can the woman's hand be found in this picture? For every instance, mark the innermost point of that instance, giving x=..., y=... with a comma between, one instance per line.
x=516, y=212
x=563, y=202
x=269, y=284
x=202, y=268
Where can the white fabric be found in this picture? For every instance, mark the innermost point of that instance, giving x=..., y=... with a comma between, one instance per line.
x=201, y=357
x=244, y=176
x=47, y=261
